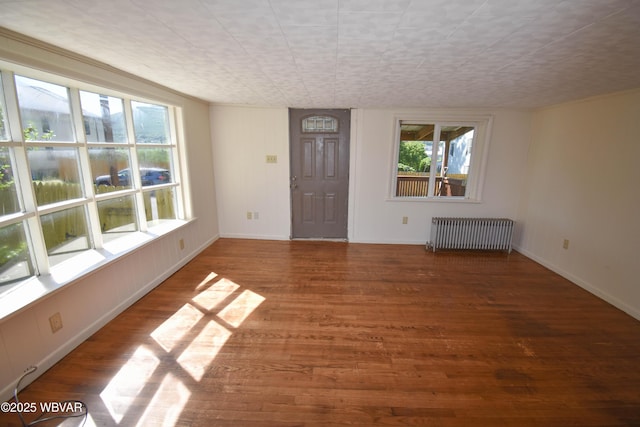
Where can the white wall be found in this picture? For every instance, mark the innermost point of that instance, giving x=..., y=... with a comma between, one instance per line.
x=90, y=302
x=582, y=185
x=242, y=136
x=378, y=219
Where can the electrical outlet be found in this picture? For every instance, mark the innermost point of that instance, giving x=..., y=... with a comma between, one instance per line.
x=249, y=215
x=405, y=220
x=56, y=322
x=272, y=158
x=181, y=244
x=565, y=244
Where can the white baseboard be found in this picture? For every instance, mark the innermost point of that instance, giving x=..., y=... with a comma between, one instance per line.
x=66, y=348
x=389, y=242
x=584, y=284
x=253, y=236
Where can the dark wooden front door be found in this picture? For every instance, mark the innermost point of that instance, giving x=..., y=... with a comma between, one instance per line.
x=319, y=173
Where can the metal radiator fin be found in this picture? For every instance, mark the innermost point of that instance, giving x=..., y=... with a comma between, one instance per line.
x=471, y=233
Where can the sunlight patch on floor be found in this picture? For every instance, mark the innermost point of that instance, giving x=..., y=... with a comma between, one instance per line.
x=123, y=389
x=197, y=357
x=167, y=403
x=172, y=330
x=206, y=280
x=215, y=294
x=240, y=308
x=201, y=332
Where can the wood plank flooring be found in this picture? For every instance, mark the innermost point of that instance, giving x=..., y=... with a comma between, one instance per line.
x=264, y=333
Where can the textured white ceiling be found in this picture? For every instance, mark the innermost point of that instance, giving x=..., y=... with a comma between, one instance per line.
x=353, y=53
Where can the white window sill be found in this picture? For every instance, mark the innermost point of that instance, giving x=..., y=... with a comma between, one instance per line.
x=451, y=199
x=31, y=290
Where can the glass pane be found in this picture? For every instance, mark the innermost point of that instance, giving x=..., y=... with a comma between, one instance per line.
x=65, y=232
x=454, y=160
x=117, y=216
x=44, y=110
x=8, y=196
x=321, y=124
x=110, y=168
x=15, y=260
x=159, y=205
x=103, y=118
x=155, y=166
x=4, y=134
x=55, y=174
x=414, y=160
x=150, y=123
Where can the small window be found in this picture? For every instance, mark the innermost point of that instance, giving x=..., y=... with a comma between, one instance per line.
x=160, y=205
x=9, y=202
x=117, y=217
x=65, y=233
x=15, y=258
x=44, y=110
x=103, y=118
x=150, y=123
x=55, y=174
x=155, y=166
x=110, y=167
x=439, y=159
x=320, y=124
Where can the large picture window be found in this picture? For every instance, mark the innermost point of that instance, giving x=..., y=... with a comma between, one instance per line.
x=440, y=159
x=78, y=170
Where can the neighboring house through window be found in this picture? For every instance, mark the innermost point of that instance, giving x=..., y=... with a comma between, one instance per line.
x=440, y=159
x=79, y=169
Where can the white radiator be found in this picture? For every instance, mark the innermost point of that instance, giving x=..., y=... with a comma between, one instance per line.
x=471, y=233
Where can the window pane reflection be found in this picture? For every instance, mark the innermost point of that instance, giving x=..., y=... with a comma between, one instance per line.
x=8, y=195
x=110, y=168
x=55, y=174
x=155, y=166
x=117, y=216
x=44, y=110
x=414, y=160
x=455, y=159
x=65, y=232
x=15, y=260
x=159, y=205
x=150, y=123
x=103, y=118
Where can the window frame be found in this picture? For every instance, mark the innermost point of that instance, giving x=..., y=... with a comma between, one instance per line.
x=479, y=154
x=22, y=292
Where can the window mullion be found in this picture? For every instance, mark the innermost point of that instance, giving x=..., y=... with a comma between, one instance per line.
x=476, y=167
x=135, y=166
x=176, y=130
x=38, y=246
x=34, y=231
x=22, y=177
x=394, y=166
x=433, y=171
x=13, y=112
x=95, y=232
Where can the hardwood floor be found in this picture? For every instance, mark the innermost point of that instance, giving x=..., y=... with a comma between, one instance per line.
x=264, y=333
